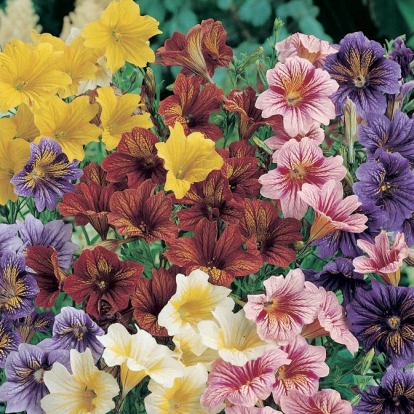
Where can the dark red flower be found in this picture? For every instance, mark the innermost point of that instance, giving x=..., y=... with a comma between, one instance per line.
x=223, y=258
x=212, y=199
x=135, y=159
x=274, y=235
x=150, y=297
x=99, y=276
x=140, y=213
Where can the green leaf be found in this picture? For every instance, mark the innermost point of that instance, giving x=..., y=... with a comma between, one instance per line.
x=224, y=4
x=255, y=12
x=173, y=6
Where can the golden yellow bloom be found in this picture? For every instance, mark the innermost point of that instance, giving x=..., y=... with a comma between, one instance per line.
x=116, y=116
x=123, y=33
x=28, y=74
x=20, y=125
x=187, y=159
x=14, y=154
x=68, y=124
x=57, y=44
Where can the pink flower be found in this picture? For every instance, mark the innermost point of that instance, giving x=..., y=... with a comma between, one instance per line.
x=285, y=309
x=331, y=320
x=235, y=409
x=322, y=402
x=382, y=259
x=305, y=46
x=300, y=93
x=299, y=163
x=242, y=386
x=303, y=373
x=332, y=211
x=276, y=142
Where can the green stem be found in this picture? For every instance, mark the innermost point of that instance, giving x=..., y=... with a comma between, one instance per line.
x=85, y=233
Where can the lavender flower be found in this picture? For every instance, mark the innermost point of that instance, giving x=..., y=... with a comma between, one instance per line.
x=9, y=242
x=17, y=288
x=383, y=319
x=35, y=322
x=363, y=73
x=9, y=340
x=74, y=329
x=24, y=387
x=387, y=183
x=47, y=174
x=54, y=233
x=407, y=228
x=403, y=55
x=395, y=395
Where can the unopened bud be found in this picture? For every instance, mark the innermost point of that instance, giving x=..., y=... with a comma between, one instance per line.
x=350, y=127
x=262, y=145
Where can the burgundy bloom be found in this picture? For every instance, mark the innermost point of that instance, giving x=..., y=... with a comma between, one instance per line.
x=363, y=74
x=135, y=159
x=99, y=275
x=222, y=259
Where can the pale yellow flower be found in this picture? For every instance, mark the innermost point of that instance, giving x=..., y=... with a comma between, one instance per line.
x=86, y=391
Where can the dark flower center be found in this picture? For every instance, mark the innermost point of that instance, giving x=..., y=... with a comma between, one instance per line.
x=393, y=322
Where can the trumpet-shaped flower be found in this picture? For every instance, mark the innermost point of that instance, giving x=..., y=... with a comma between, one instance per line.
x=182, y=398
x=300, y=93
x=21, y=125
x=123, y=34
x=299, y=163
x=194, y=301
x=188, y=159
x=85, y=390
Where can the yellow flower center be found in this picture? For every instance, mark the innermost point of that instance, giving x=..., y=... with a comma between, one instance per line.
x=102, y=285
x=359, y=81
x=393, y=322
x=21, y=84
x=38, y=172
x=280, y=373
x=117, y=36
x=293, y=97
x=385, y=187
x=38, y=375
x=89, y=395
x=298, y=172
x=60, y=134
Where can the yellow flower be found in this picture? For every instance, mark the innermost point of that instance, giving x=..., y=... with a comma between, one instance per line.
x=123, y=33
x=28, y=74
x=116, y=116
x=182, y=398
x=14, y=154
x=20, y=125
x=87, y=391
x=187, y=159
x=68, y=124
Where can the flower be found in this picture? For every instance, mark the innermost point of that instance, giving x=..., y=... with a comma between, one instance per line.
x=299, y=163
x=394, y=395
x=68, y=124
x=9, y=241
x=300, y=93
x=135, y=159
x=187, y=159
x=35, y=322
x=117, y=114
x=387, y=183
x=25, y=369
x=304, y=46
x=303, y=372
x=123, y=33
x=47, y=175
x=191, y=107
x=274, y=236
x=383, y=319
x=18, y=289
x=382, y=259
x=222, y=259
x=74, y=329
x=184, y=395
x=281, y=313
x=14, y=154
x=98, y=275
x=363, y=74
x=236, y=409
x=322, y=402
x=403, y=55
x=28, y=74
x=86, y=389
x=10, y=340
x=242, y=385
x=234, y=337
x=139, y=355
x=332, y=211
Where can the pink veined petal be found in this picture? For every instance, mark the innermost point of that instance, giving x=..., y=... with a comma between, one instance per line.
x=364, y=265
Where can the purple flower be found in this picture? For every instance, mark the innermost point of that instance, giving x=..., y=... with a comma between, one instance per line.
x=363, y=73
x=55, y=233
x=338, y=275
x=387, y=183
x=395, y=395
x=407, y=228
x=383, y=319
x=35, y=322
x=24, y=387
x=47, y=174
x=9, y=340
x=393, y=136
x=74, y=329
x=17, y=288
x=403, y=55
x=9, y=242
